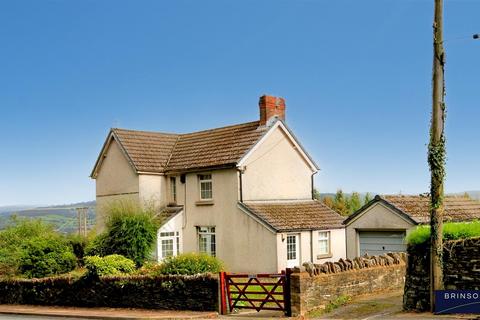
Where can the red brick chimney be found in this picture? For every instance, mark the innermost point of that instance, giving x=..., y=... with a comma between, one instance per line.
x=270, y=108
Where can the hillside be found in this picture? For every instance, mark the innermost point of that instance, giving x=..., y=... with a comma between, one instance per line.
x=63, y=217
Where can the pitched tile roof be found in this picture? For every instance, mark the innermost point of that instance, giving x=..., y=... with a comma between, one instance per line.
x=168, y=213
x=162, y=152
x=215, y=147
x=418, y=207
x=148, y=151
x=295, y=215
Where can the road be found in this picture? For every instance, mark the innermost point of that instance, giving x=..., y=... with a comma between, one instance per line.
x=24, y=317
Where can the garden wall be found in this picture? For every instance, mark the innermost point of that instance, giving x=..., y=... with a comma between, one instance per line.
x=321, y=284
x=199, y=293
x=461, y=261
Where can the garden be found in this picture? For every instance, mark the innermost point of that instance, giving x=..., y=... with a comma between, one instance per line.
x=115, y=268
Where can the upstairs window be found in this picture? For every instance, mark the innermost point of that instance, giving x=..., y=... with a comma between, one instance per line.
x=205, y=184
x=173, y=189
x=206, y=240
x=324, y=242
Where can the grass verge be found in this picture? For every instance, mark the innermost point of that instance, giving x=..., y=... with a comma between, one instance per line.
x=332, y=305
x=451, y=231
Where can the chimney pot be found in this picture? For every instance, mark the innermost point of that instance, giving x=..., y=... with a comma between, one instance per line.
x=271, y=108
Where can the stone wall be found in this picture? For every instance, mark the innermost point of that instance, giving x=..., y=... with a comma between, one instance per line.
x=160, y=292
x=314, y=286
x=417, y=279
x=461, y=261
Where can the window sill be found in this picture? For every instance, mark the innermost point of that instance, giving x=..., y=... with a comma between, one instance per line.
x=204, y=203
x=324, y=256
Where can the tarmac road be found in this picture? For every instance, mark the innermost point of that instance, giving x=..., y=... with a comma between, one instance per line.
x=25, y=317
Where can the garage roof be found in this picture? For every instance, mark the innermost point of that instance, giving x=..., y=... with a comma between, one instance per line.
x=417, y=208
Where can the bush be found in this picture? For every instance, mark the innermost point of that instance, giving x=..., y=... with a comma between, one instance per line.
x=190, y=264
x=110, y=265
x=45, y=256
x=79, y=245
x=13, y=238
x=149, y=269
x=130, y=231
x=451, y=231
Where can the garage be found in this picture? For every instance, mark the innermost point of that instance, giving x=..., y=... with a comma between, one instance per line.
x=380, y=242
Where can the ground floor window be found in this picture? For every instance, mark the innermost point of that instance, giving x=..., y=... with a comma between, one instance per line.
x=291, y=247
x=324, y=242
x=169, y=243
x=206, y=240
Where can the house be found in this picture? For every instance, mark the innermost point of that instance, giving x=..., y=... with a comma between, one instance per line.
x=242, y=193
x=382, y=224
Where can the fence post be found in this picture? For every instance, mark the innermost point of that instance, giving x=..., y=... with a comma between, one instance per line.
x=287, y=294
x=223, y=300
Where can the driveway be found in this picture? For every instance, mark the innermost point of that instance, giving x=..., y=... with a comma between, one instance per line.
x=382, y=306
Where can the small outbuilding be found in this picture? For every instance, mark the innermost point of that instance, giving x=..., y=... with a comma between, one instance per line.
x=381, y=225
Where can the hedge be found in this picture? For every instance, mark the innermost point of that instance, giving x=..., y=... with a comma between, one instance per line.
x=174, y=292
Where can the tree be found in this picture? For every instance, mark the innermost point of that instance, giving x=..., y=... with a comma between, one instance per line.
x=367, y=198
x=436, y=155
x=340, y=203
x=355, y=203
x=316, y=194
x=329, y=202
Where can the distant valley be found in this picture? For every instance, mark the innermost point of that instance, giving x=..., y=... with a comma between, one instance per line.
x=64, y=217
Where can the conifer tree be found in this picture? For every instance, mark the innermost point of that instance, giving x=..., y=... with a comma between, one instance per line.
x=340, y=203
x=355, y=203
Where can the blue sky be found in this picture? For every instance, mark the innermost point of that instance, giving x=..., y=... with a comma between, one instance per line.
x=355, y=75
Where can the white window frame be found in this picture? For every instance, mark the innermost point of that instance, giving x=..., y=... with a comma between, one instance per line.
x=324, y=236
x=173, y=236
x=204, y=180
x=208, y=233
x=292, y=247
x=173, y=189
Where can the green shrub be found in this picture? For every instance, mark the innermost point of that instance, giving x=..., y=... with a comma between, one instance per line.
x=130, y=231
x=97, y=246
x=18, y=232
x=44, y=256
x=190, y=264
x=110, y=265
x=79, y=245
x=149, y=269
x=451, y=231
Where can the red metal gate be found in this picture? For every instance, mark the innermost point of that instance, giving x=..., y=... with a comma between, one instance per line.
x=255, y=291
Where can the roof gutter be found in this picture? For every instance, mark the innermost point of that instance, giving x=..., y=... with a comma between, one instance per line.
x=200, y=169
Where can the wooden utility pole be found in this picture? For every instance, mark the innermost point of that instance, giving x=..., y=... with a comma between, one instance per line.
x=436, y=155
x=82, y=221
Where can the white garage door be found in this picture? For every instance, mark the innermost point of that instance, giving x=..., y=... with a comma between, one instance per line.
x=380, y=242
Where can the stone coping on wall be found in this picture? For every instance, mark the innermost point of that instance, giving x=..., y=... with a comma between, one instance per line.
x=342, y=265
